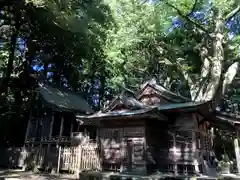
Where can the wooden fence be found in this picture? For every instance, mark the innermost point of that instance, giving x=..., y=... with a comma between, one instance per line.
x=75, y=159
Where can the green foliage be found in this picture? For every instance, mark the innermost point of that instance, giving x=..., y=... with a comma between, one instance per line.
x=119, y=43
x=70, y=35
x=136, y=26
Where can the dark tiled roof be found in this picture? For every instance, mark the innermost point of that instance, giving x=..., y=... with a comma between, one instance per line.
x=188, y=106
x=185, y=105
x=63, y=99
x=119, y=113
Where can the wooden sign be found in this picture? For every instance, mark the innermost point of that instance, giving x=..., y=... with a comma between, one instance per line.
x=139, y=163
x=138, y=151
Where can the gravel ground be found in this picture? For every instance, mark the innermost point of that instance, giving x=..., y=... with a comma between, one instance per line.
x=19, y=175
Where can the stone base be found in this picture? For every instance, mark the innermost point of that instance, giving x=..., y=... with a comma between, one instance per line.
x=125, y=176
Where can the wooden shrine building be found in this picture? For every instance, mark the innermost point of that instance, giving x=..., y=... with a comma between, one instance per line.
x=52, y=122
x=229, y=124
x=154, y=130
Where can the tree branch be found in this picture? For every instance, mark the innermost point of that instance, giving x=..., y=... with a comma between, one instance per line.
x=184, y=72
x=229, y=76
x=179, y=67
x=188, y=18
x=193, y=87
x=205, y=70
x=232, y=13
x=206, y=63
x=193, y=8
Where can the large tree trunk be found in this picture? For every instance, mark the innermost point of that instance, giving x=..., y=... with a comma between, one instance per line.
x=216, y=61
x=212, y=84
x=216, y=85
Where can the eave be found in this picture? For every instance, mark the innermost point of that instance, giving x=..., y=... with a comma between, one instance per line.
x=156, y=112
x=224, y=120
x=150, y=113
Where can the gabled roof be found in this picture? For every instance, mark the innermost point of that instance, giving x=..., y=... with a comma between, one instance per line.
x=127, y=99
x=131, y=100
x=169, y=95
x=63, y=99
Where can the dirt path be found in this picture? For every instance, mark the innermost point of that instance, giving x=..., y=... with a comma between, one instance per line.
x=19, y=175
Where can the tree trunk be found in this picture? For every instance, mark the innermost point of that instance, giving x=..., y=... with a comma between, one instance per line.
x=101, y=88
x=216, y=63
x=7, y=74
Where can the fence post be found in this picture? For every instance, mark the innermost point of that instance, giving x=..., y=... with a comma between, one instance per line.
x=59, y=158
x=79, y=158
x=236, y=147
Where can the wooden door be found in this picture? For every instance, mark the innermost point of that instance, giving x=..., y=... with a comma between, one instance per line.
x=129, y=150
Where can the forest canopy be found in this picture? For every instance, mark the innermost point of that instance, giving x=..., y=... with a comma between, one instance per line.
x=98, y=47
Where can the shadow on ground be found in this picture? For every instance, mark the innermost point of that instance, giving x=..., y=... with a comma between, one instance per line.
x=20, y=175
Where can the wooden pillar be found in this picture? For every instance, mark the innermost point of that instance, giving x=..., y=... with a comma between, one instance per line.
x=42, y=152
x=61, y=129
x=237, y=152
x=194, y=151
x=194, y=144
x=59, y=159
x=97, y=136
x=212, y=136
x=29, y=126
x=28, y=129
x=51, y=126
x=49, y=137
x=36, y=127
x=174, y=154
x=42, y=127
x=35, y=130
x=71, y=130
x=26, y=148
x=59, y=146
x=202, y=149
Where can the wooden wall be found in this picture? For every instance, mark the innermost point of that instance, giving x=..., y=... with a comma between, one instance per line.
x=173, y=147
x=123, y=149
